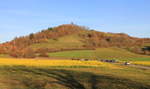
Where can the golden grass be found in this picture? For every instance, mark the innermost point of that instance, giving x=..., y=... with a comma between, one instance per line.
x=46, y=62
x=145, y=63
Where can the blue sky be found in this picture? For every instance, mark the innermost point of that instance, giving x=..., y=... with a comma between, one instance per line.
x=21, y=17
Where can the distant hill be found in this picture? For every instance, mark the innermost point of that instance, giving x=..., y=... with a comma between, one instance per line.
x=70, y=37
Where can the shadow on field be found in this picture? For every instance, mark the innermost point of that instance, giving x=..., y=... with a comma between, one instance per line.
x=71, y=79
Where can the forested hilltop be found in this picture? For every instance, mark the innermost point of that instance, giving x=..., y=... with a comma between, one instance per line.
x=70, y=37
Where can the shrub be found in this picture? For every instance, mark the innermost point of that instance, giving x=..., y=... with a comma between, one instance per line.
x=28, y=53
x=43, y=54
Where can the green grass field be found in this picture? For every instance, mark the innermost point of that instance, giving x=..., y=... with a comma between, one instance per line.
x=74, y=54
x=102, y=53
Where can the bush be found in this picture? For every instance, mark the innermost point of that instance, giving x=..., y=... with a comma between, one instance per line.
x=43, y=54
x=16, y=54
x=28, y=53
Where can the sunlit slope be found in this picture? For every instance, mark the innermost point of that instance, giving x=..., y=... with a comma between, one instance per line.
x=66, y=42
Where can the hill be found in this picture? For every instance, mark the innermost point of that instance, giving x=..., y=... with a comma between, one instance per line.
x=70, y=37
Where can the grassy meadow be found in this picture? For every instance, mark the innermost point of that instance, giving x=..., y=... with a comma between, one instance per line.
x=69, y=74
x=102, y=53
x=74, y=54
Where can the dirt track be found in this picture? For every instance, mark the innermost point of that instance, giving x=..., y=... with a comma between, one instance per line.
x=139, y=66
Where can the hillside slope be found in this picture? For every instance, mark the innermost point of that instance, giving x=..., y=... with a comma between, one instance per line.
x=69, y=37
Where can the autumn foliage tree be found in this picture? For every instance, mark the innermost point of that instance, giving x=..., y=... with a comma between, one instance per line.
x=28, y=53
